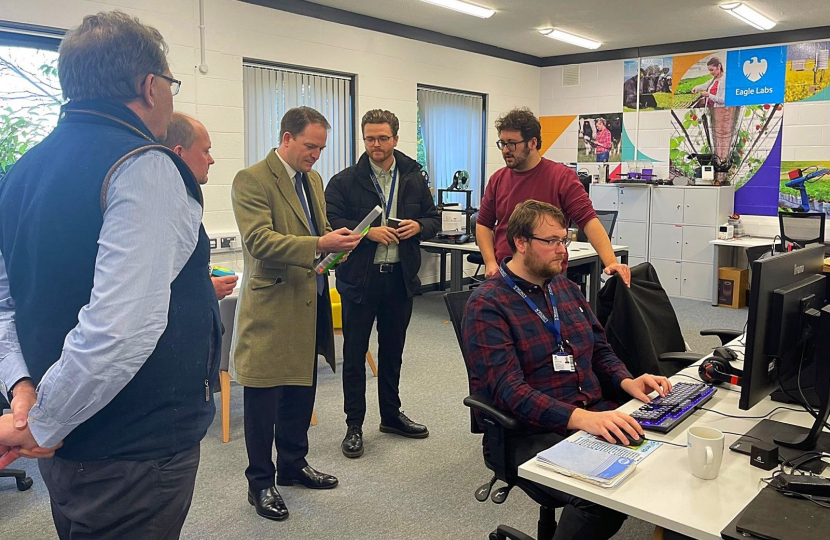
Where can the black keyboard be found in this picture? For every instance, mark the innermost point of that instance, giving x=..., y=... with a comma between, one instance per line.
x=663, y=414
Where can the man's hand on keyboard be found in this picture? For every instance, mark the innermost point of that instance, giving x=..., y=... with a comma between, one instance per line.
x=641, y=386
x=603, y=424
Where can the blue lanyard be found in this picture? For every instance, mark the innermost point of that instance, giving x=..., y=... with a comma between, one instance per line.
x=555, y=327
x=387, y=205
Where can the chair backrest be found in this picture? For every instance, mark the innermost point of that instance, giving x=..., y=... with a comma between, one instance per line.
x=801, y=228
x=456, y=306
x=227, y=313
x=640, y=322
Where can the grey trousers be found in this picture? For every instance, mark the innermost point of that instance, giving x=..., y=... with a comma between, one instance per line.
x=123, y=500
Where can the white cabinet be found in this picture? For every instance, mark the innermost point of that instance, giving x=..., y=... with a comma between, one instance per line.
x=684, y=279
x=684, y=219
x=632, y=204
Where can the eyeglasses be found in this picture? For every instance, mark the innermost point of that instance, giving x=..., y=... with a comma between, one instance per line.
x=372, y=140
x=175, y=84
x=510, y=145
x=553, y=242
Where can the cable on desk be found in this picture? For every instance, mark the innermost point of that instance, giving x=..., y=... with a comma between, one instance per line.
x=752, y=417
x=669, y=443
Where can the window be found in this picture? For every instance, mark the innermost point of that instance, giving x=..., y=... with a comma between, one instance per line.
x=270, y=91
x=30, y=94
x=451, y=132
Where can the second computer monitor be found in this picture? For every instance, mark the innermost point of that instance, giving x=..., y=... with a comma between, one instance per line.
x=777, y=322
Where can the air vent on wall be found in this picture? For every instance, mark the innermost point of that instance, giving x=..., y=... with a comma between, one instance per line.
x=570, y=75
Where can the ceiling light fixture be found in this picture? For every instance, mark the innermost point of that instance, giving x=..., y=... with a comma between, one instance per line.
x=570, y=38
x=741, y=11
x=463, y=7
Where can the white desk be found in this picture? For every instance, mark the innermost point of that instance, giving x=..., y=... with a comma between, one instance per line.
x=579, y=254
x=662, y=489
x=723, y=255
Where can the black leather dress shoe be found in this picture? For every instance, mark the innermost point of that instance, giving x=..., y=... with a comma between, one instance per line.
x=309, y=478
x=269, y=504
x=352, y=445
x=405, y=427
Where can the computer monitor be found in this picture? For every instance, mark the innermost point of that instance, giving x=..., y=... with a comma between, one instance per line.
x=788, y=328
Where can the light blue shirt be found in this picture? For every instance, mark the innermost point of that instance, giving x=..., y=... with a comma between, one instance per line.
x=150, y=230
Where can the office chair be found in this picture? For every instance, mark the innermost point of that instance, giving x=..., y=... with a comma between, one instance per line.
x=801, y=228
x=23, y=482
x=496, y=426
x=641, y=325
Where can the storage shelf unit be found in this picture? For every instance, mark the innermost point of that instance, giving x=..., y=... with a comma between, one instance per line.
x=684, y=219
x=633, y=204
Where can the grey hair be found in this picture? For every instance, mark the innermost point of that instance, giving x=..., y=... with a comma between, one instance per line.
x=108, y=56
x=295, y=121
x=180, y=132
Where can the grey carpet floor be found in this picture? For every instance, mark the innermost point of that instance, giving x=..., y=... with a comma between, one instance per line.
x=400, y=488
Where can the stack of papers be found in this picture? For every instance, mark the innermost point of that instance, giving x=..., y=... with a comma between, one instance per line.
x=585, y=457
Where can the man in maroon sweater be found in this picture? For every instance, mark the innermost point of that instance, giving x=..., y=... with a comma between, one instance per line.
x=530, y=176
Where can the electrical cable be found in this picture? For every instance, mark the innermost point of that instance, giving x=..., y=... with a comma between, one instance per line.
x=752, y=417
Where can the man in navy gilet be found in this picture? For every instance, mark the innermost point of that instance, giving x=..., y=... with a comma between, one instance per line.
x=106, y=305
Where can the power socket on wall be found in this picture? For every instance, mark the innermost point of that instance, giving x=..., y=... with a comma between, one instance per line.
x=225, y=242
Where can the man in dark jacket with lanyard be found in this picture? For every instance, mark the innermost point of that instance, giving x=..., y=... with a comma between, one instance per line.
x=380, y=276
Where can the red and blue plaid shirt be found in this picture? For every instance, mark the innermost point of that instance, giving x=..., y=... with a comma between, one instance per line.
x=510, y=352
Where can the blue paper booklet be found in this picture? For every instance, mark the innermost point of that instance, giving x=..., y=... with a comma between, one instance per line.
x=595, y=466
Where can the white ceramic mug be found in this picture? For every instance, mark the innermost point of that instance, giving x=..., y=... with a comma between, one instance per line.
x=705, y=447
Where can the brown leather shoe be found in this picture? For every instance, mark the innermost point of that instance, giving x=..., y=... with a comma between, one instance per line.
x=269, y=504
x=309, y=478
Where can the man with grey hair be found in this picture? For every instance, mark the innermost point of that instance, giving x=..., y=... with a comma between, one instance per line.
x=105, y=304
x=189, y=139
x=380, y=278
x=283, y=319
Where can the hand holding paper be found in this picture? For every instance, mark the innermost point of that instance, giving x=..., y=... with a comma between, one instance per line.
x=341, y=241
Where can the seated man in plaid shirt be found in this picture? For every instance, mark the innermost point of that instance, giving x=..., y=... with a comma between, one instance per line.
x=538, y=351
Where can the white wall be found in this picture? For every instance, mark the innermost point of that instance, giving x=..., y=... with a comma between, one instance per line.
x=388, y=69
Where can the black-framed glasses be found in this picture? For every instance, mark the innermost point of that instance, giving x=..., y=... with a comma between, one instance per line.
x=500, y=144
x=553, y=242
x=175, y=84
x=372, y=140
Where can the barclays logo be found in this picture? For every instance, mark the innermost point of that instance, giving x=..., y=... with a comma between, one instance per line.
x=755, y=69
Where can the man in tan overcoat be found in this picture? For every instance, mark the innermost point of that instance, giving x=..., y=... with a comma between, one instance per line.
x=283, y=318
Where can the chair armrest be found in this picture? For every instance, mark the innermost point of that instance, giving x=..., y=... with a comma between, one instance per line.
x=681, y=357
x=485, y=405
x=724, y=334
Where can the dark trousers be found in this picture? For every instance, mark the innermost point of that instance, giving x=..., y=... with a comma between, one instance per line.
x=385, y=300
x=278, y=416
x=580, y=519
x=122, y=500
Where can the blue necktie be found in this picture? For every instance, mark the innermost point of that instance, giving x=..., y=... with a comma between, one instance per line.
x=298, y=186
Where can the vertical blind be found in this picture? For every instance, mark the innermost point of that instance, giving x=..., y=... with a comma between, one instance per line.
x=451, y=126
x=270, y=92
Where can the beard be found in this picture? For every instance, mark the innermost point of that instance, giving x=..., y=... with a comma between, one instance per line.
x=519, y=159
x=545, y=268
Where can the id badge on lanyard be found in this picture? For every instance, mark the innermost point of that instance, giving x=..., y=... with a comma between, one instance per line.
x=562, y=361
x=385, y=204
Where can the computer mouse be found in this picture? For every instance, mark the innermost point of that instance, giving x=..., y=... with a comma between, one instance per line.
x=631, y=442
